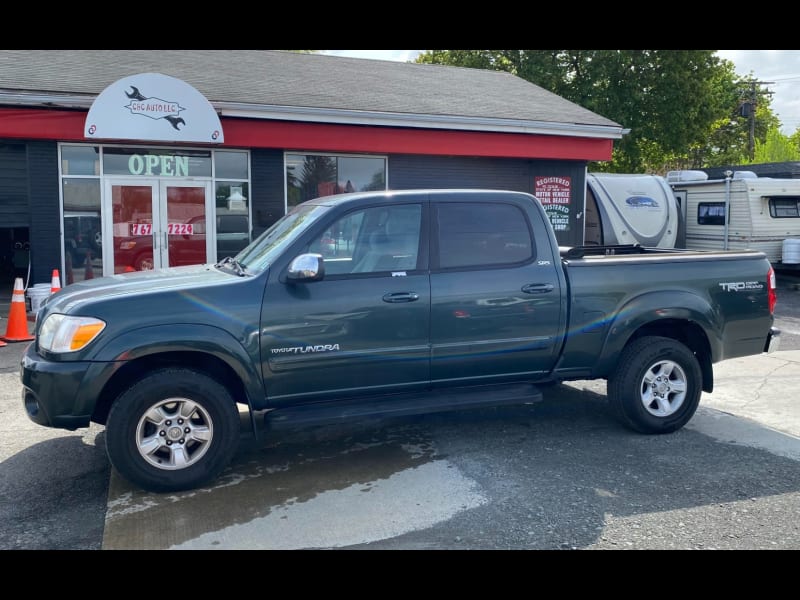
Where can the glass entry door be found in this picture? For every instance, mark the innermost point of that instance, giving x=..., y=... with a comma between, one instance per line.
x=184, y=208
x=155, y=224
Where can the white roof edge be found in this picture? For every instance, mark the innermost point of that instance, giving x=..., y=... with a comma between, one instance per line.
x=425, y=121
x=346, y=116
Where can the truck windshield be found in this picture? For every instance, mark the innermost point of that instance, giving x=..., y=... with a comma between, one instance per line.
x=263, y=250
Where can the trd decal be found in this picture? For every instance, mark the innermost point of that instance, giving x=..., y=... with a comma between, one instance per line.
x=741, y=286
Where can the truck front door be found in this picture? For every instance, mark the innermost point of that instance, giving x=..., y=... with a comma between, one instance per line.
x=364, y=327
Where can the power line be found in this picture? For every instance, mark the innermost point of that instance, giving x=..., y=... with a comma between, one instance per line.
x=748, y=109
x=785, y=79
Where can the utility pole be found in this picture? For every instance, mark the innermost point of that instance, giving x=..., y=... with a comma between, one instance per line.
x=748, y=109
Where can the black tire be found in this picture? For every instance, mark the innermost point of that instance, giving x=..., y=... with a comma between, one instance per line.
x=96, y=240
x=673, y=389
x=209, y=411
x=144, y=262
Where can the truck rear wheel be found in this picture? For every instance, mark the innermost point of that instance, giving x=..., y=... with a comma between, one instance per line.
x=656, y=386
x=175, y=429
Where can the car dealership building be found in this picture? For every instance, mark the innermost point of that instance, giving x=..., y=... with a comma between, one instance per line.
x=120, y=160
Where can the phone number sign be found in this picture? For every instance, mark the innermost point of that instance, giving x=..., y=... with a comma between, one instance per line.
x=172, y=229
x=141, y=228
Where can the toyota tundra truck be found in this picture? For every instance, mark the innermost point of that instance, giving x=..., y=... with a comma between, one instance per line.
x=384, y=304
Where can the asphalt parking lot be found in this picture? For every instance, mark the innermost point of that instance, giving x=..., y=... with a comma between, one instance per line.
x=558, y=474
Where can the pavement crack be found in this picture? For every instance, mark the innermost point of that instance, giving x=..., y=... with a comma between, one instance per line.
x=764, y=379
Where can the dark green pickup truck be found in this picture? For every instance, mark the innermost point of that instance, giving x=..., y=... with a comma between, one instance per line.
x=385, y=303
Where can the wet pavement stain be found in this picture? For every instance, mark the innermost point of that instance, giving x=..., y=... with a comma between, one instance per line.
x=409, y=500
x=293, y=468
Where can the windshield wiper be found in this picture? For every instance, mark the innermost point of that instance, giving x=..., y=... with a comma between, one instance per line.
x=234, y=264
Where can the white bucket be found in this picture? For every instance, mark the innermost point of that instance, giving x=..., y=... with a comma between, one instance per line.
x=37, y=293
x=791, y=252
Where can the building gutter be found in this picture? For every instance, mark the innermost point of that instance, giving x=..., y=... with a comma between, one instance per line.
x=242, y=110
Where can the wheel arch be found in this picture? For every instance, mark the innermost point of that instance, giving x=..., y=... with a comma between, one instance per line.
x=681, y=316
x=688, y=333
x=205, y=348
x=134, y=370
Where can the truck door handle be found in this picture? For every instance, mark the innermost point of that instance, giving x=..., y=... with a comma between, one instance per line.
x=538, y=288
x=401, y=297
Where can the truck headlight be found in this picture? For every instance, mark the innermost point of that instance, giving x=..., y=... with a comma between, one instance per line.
x=63, y=333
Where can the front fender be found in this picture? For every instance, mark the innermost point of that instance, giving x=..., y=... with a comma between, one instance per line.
x=650, y=309
x=241, y=356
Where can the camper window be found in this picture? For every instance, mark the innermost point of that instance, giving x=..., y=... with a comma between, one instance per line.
x=784, y=207
x=711, y=213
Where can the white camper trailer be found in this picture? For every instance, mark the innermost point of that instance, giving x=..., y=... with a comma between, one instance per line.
x=630, y=209
x=764, y=213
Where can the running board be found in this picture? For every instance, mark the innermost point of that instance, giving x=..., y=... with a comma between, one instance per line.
x=400, y=405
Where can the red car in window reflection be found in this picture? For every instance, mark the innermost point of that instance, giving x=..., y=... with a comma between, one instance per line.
x=135, y=253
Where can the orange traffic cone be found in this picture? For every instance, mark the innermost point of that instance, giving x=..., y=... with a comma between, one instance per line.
x=55, y=282
x=88, y=272
x=17, y=330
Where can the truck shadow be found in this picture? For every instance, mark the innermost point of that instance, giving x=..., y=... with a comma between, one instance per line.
x=557, y=474
x=565, y=474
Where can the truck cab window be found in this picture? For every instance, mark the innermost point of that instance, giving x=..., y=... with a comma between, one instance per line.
x=482, y=235
x=373, y=240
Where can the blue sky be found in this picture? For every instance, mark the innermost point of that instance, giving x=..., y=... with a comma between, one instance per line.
x=782, y=67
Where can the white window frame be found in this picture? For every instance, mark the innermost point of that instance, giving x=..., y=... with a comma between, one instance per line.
x=385, y=157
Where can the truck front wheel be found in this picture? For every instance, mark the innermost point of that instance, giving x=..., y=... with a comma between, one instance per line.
x=656, y=386
x=175, y=429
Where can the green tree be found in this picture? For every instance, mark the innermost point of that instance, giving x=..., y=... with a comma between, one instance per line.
x=795, y=137
x=317, y=170
x=776, y=147
x=680, y=105
x=378, y=182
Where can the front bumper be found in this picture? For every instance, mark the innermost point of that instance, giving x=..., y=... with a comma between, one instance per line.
x=773, y=340
x=50, y=390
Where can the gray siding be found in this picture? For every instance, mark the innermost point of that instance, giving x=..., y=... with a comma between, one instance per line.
x=266, y=173
x=416, y=172
x=14, y=211
x=45, y=231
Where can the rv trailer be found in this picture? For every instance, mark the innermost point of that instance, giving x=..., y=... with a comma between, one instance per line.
x=630, y=209
x=763, y=214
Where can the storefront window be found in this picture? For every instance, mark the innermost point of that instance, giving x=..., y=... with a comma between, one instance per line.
x=83, y=240
x=233, y=222
x=313, y=175
x=230, y=165
x=80, y=160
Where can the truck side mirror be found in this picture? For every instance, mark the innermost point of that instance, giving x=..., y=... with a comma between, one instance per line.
x=306, y=268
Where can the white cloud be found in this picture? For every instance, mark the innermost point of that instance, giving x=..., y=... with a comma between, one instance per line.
x=782, y=69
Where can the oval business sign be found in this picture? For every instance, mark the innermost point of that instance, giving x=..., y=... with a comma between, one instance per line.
x=153, y=107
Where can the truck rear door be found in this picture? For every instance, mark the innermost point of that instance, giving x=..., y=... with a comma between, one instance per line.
x=496, y=298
